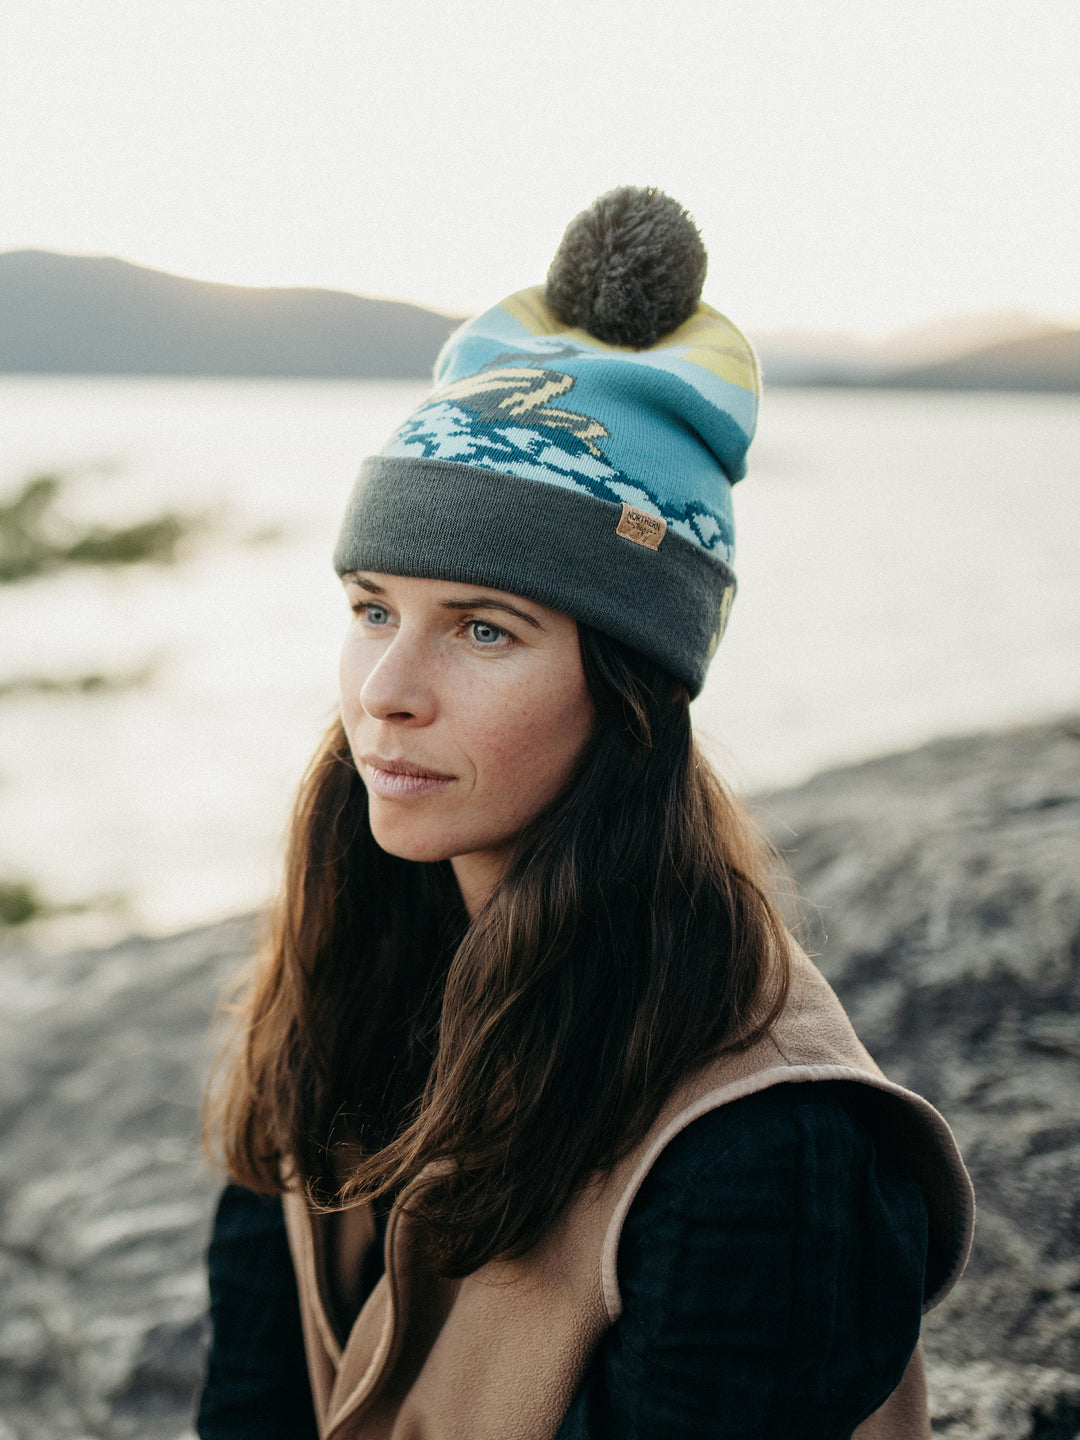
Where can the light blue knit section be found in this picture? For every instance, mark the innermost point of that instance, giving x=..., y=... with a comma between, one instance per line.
x=650, y=428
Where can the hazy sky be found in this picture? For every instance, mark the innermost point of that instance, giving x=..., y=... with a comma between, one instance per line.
x=854, y=164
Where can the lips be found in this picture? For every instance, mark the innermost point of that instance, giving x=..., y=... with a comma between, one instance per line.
x=400, y=779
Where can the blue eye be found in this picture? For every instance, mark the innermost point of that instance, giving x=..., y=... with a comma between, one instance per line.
x=376, y=614
x=485, y=634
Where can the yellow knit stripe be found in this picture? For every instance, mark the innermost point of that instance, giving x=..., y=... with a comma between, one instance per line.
x=715, y=344
x=533, y=313
x=708, y=338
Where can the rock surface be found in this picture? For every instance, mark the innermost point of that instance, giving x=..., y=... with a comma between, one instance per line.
x=942, y=894
x=945, y=910
x=105, y=1201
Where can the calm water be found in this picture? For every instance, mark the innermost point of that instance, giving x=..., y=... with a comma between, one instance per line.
x=907, y=567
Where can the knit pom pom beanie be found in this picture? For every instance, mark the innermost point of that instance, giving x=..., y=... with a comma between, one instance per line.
x=581, y=443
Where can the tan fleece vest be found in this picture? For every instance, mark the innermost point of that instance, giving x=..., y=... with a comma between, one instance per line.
x=501, y=1354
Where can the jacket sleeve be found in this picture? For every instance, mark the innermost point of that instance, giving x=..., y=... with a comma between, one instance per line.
x=256, y=1385
x=771, y=1271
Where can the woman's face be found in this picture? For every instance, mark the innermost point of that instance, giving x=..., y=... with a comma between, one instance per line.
x=466, y=711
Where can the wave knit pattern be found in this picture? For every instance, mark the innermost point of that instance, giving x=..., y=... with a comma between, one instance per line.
x=521, y=394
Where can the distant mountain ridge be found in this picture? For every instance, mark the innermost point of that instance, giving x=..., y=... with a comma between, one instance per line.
x=1007, y=351
x=97, y=315
x=1047, y=360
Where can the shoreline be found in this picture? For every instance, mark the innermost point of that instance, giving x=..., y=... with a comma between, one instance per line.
x=74, y=928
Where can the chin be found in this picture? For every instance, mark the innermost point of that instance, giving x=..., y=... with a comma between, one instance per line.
x=423, y=852
x=427, y=844
x=410, y=841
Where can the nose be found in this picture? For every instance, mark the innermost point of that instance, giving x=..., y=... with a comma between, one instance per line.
x=399, y=688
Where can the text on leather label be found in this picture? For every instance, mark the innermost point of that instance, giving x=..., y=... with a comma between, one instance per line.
x=641, y=527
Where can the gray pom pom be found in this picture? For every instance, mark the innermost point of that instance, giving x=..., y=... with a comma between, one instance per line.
x=629, y=269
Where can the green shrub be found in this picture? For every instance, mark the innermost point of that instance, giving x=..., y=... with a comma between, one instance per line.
x=35, y=538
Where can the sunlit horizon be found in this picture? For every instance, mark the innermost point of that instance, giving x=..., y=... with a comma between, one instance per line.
x=1007, y=315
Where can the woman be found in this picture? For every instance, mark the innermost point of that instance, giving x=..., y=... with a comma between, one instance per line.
x=572, y=1140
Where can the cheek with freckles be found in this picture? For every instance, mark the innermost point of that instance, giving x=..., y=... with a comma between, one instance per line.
x=524, y=759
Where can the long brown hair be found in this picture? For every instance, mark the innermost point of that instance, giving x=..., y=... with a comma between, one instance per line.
x=631, y=939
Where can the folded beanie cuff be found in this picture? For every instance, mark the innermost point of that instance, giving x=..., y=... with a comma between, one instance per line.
x=561, y=547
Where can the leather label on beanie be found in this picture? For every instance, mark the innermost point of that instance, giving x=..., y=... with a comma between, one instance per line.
x=641, y=527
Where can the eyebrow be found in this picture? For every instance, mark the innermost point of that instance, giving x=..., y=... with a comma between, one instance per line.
x=472, y=602
x=482, y=602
